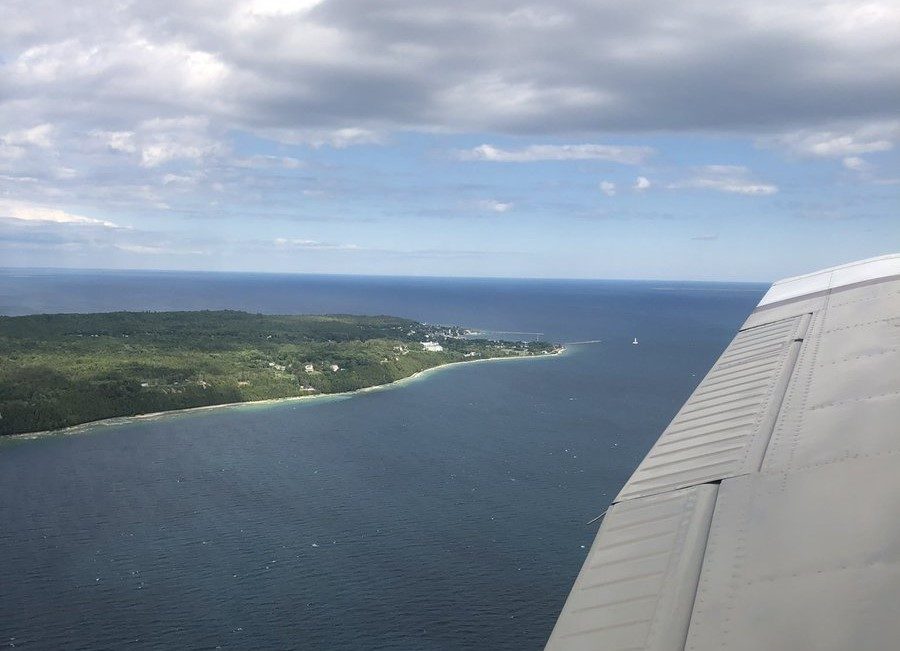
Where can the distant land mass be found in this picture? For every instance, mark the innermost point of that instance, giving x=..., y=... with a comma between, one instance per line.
x=59, y=370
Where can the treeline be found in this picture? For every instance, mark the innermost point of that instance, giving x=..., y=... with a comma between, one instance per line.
x=66, y=369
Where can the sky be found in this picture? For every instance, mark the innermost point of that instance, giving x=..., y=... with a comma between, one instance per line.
x=695, y=140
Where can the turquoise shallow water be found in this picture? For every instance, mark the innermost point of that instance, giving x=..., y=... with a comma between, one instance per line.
x=446, y=513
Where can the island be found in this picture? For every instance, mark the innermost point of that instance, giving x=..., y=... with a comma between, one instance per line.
x=60, y=370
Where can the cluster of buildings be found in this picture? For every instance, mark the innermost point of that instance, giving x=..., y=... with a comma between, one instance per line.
x=309, y=367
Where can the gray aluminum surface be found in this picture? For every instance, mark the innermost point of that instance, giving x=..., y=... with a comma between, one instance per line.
x=724, y=427
x=803, y=560
x=781, y=311
x=637, y=585
x=795, y=436
x=845, y=400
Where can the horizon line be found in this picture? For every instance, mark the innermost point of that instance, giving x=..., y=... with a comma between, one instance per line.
x=377, y=275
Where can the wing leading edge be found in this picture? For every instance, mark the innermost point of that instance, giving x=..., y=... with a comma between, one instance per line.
x=767, y=515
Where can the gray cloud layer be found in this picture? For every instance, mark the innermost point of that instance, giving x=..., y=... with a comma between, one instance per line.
x=301, y=70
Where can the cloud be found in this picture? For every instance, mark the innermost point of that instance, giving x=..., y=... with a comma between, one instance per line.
x=626, y=155
x=159, y=141
x=866, y=171
x=278, y=8
x=23, y=211
x=822, y=214
x=578, y=67
x=856, y=164
x=36, y=136
x=164, y=140
x=608, y=188
x=312, y=245
x=339, y=138
x=840, y=142
x=346, y=137
x=493, y=205
x=154, y=110
x=19, y=144
x=641, y=183
x=705, y=238
x=287, y=244
x=122, y=141
x=260, y=161
x=142, y=249
x=733, y=179
x=45, y=235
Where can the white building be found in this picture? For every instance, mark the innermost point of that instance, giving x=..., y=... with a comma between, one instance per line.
x=432, y=346
x=309, y=368
x=335, y=368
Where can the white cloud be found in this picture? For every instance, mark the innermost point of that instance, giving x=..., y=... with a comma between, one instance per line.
x=313, y=245
x=158, y=141
x=866, y=171
x=538, y=17
x=179, y=179
x=317, y=138
x=279, y=8
x=36, y=136
x=840, y=142
x=641, y=183
x=18, y=145
x=10, y=153
x=496, y=206
x=65, y=173
x=347, y=137
x=260, y=161
x=143, y=249
x=733, y=179
x=122, y=141
x=165, y=140
x=490, y=97
x=855, y=163
x=155, y=154
x=608, y=188
x=25, y=211
x=623, y=154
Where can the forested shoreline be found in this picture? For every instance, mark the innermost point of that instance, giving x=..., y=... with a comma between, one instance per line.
x=58, y=370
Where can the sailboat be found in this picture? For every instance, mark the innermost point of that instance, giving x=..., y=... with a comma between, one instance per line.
x=635, y=342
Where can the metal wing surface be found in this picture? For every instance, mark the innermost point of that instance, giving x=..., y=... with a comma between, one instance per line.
x=767, y=515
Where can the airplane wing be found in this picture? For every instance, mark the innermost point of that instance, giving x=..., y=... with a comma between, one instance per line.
x=767, y=515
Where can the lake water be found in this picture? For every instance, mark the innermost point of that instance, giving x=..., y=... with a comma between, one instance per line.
x=444, y=513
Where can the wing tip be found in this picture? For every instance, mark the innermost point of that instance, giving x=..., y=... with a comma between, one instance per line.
x=860, y=271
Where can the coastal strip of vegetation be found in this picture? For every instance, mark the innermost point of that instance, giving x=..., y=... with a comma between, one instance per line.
x=59, y=370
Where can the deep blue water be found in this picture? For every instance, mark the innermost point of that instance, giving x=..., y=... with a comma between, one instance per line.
x=446, y=513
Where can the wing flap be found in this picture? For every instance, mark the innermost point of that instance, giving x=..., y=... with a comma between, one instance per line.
x=636, y=587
